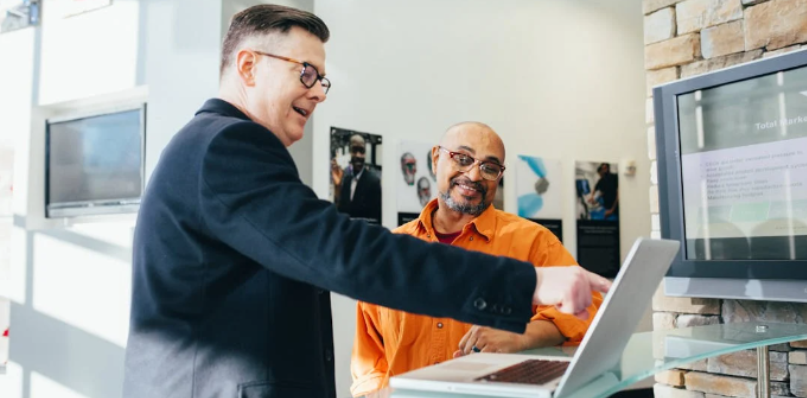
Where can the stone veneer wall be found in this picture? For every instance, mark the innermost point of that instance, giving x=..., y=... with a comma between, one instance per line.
x=688, y=38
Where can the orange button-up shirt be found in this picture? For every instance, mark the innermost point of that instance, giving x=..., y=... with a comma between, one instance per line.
x=390, y=342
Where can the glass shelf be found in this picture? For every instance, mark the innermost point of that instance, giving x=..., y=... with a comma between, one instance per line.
x=649, y=353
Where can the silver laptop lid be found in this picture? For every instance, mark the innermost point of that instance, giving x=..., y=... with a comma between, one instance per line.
x=620, y=312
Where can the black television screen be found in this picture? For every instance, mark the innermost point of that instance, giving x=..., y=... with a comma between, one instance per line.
x=95, y=164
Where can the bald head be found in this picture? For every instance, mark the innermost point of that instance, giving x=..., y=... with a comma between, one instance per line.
x=477, y=139
x=357, y=139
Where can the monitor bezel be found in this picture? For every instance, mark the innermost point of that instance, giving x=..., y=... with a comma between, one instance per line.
x=95, y=207
x=671, y=211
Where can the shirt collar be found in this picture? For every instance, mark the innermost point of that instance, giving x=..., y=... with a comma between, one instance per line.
x=484, y=224
x=357, y=175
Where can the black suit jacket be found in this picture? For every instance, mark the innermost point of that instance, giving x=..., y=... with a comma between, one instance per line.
x=366, y=202
x=234, y=257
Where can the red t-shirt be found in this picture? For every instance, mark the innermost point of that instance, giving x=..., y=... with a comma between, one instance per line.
x=448, y=238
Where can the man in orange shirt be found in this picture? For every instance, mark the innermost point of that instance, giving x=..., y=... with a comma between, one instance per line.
x=469, y=164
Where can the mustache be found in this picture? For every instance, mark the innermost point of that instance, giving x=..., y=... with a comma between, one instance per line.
x=464, y=181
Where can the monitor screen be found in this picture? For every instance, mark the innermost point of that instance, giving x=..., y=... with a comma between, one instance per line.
x=743, y=149
x=95, y=161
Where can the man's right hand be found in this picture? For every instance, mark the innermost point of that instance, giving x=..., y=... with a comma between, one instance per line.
x=568, y=288
x=336, y=173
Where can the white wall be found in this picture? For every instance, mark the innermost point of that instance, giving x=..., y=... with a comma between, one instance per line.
x=182, y=69
x=555, y=79
x=69, y=287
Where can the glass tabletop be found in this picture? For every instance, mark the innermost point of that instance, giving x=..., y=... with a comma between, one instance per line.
x=649, y=353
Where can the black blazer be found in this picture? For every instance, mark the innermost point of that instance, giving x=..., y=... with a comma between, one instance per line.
x=366, y=202
x=234, y=257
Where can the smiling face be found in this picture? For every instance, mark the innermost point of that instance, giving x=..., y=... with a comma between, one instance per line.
x=467, y=192
x=274, y=95
x=358, y=150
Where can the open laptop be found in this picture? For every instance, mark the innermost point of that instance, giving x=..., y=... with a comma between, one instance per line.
x=515, y=375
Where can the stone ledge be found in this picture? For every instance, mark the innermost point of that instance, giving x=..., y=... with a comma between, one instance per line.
x=649, y=6
x=664, y=391
x=678, y=51
x=775, y=24
x=709, y=65
x=659, y=26
x=695, y=15
x=744, y=364
x=720, y=385
x=723, y=40
x=673, y=377
x=797, y=357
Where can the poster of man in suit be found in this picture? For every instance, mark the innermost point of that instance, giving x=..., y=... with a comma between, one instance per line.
x=356, y=173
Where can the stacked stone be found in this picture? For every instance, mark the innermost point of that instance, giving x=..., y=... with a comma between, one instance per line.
x=688, y=38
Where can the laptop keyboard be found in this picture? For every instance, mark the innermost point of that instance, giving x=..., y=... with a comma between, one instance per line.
x=531, y=371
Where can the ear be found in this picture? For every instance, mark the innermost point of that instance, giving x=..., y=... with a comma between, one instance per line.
x=246, y=62
x=435, y=158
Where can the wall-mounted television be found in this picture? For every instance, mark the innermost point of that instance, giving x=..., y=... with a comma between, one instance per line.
x=94, y=164
x=732, y=164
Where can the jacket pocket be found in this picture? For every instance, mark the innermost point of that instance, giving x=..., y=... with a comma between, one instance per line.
x=273, y=389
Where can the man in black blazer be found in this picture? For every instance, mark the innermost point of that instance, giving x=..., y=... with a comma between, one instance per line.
x=360, y=188
x=234, y=256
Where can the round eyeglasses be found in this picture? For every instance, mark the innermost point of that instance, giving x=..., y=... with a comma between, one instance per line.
x=487, y=169
x=308, y=76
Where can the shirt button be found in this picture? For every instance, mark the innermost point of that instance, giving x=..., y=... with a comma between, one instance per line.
x=439, y=325
x=471, y=239
x=328, y=355
x=507, y=310
x=480, y=304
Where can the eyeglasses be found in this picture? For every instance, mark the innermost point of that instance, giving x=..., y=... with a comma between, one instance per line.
x=358, y=149
x=308, y=76
x=487, y=169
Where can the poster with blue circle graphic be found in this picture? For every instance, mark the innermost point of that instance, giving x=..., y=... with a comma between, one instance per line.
x=538, y=191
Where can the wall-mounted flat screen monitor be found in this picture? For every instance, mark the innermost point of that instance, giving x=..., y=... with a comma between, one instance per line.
x=732, y=164
x=95, y=164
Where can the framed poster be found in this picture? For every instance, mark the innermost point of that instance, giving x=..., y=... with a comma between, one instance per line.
x=538, y=192
x=597, y=211
x=417, y=182
x=356, y=173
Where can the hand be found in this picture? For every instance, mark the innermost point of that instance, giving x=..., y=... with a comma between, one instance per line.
x=336, y=173
x=490, y=340
x=568, y=288
x=608, y=213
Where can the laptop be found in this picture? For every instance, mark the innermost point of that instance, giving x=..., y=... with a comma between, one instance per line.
x=516, y=375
